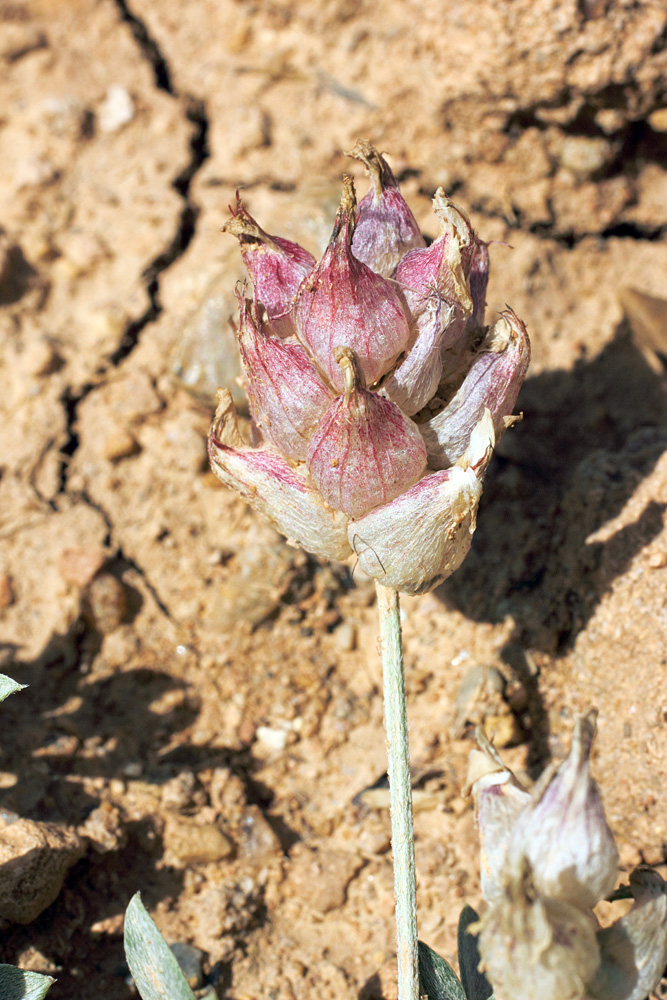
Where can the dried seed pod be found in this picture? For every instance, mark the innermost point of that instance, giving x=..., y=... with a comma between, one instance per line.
x=270, y=485
x=343, y=303
x=287, y=396
x=499, y=799
x=386, y=228
x=365, y=451
x=564, y=832
x=535, y=947
x=417, y=540
x=493, y=382
x=277, y=267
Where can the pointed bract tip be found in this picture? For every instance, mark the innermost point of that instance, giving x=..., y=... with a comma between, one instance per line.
x=453, y=218
x=224, y=426
x=480, y=448
x=347, y=212
x=242, y=225
x=380, y=172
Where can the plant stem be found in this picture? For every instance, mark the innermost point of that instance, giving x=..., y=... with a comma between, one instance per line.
x=398, y=754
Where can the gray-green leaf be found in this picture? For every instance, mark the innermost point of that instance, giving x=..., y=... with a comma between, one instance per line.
x=16, y=984
x=8, y=686
x=475, y=983
x=151, y=962
x=437, y=979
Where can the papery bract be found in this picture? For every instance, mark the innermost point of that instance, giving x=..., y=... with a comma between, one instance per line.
x=276, y=266
x=386, y=228
x=442, y=269
x=498, y=369
x=534, y=948
x=271, y=486
x=365, y=451
x=634, y=948
x=287, y=396
x=343, y=303
x=419, y=539
x=564, y=832
x=479, y=279
x=499, y=799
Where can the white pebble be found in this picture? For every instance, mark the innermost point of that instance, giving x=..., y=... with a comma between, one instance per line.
x=117, y=109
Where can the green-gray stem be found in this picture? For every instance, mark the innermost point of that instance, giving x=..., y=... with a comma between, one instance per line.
x=398, y=754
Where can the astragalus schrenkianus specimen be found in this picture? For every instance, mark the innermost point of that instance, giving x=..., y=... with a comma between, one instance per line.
x=377, y=393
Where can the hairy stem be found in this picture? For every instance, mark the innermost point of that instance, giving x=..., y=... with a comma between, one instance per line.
x=398, y=754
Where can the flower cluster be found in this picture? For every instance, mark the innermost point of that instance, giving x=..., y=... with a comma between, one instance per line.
x=377, y=394
x=547, y=859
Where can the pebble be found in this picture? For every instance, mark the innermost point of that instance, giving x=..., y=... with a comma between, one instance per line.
x=345, y=637
x=190, y=961
x=120, y=444
x=177, y=793
x=258, y=842
x=275, y=739
x=658, y=560
x=79, y=566
x=41, y=359
x=321, y=877
x=104, y=829
x=658, y=120
x=6, y=591
x=104, y=604
x=117, y=109
x=34, y=860
x=192, y=843
x=585, y=155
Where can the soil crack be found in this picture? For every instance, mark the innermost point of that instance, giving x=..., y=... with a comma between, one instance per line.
x=196, y=114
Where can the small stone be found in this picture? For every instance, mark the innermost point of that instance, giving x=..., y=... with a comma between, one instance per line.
x=79, y=566
x=257, y=843
x=658, y=120
x=104, y=603
x=103, y=829
x=658, y=560
x=6, y=591
x=192, y=843
x=34, y=860
x=190, y=960
x=18, y=40
x=345, y=637
x=41, y=359
x=274, y=739
x=177, y=793
x=116, y=110
x=321, y=877
x=585, y=155
x=120, y=444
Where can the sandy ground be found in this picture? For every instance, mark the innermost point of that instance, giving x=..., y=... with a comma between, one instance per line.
x=203, y=721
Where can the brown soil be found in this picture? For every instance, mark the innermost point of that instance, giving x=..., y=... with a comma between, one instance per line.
x=207, y=713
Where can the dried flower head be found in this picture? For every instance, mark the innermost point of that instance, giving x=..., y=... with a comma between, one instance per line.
x=547, y=858
x=377, y=394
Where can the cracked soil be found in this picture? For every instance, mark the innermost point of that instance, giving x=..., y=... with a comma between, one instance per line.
x=203, y=720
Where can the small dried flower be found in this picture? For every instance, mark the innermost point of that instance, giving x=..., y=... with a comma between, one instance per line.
x=634, y=949
x=534, y=947
x=564, y=832
x=499, y=799
x=560, y=828
x=376, y=393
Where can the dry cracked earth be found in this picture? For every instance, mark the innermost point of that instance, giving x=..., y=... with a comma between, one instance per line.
x=203, y=720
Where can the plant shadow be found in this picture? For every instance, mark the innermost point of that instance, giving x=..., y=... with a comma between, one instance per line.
x=588, y=438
